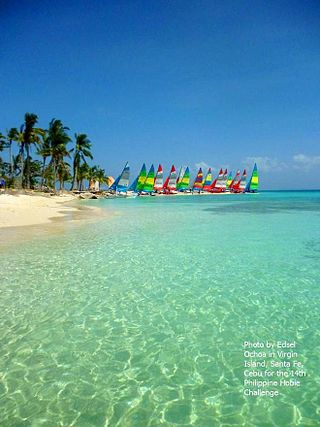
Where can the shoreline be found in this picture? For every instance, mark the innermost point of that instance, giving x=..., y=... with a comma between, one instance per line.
x=26, y=209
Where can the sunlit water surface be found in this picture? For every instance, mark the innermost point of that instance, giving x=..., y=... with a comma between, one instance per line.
x=138, y=320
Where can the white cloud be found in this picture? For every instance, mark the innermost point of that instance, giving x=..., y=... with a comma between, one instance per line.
x=301, y=161
x=265, y=164
x=204, y=166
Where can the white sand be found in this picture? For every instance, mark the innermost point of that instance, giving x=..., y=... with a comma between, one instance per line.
x=34, y=208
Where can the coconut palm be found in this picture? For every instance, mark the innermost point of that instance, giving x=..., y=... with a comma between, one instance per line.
x=82, y=174
x=12, y=135
x=81, y=153
x=44, y=151
x=58, y=140
x=31, y=135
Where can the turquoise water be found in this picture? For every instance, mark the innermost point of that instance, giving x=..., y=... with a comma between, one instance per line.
x=138, y=320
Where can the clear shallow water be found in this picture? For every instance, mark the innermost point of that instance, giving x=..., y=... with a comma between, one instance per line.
x=139, y=320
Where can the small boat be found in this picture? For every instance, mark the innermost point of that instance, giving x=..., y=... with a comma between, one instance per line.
x=252, y=186
x=148, y=185
x=217, y=185
x=170, y=185
x=229, y=181
x=158, y=182
x=198, y=182
x=240, y=185
x=184, y=182
x=120, y=185
x=207, y=181
x=235, y=180
x=141, y=178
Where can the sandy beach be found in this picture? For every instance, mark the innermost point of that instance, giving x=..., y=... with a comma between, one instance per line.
x=17, y=210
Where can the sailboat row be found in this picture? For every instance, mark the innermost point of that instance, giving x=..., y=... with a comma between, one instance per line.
x=153, y=183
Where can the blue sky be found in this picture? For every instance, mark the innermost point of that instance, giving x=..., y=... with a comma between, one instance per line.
x=217, y=83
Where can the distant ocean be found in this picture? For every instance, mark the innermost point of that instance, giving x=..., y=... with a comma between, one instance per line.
x=139, y=319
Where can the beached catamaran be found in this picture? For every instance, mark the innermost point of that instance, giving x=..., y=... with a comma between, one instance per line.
x=152, y=183
x=217, y=184
x=252, y=186
x=148, y=185
x=170, y=185
x=240, y=185
x=121, y=184
x=207, y=180
x=229, y=181
x=158, y=182
x=183, y=184
x=198, y=182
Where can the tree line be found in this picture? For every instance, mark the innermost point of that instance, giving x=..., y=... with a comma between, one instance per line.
x=59, y=164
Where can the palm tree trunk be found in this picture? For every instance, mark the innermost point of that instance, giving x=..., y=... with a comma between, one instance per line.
x=11, y=162
x=42, y=171
x=75, y=173
x=28, y=166
x=22, y=163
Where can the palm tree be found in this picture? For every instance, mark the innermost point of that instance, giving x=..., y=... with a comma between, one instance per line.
x=98, y=174
x=83, y=173
x=81, y=152
x=58, y=140
x=44, y=151
x=30, y=136
x=12, y=135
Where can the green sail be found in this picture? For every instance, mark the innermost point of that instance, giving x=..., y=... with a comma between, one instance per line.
x=184, y=183
x=254, y=181
x=149, y=181
x=142, y=177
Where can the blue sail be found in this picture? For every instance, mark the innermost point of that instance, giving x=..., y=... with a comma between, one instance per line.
x=122, y=182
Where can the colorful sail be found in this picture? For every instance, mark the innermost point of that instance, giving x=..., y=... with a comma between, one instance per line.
x=207, y=180
x=149, y=181
x=216, y=184
x=240, y=185
x=229, y=180
x=184, y=183
x=198, y=182
x=133, y=186
x=180, y=176
x=253, y=183
x=171, y=181
x=235, y=180
x=122, y=182
x=158, y=182
x=142, y=177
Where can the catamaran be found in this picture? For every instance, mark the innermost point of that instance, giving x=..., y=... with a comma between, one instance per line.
x=217, y=185
x=158, y=182
x=120, y=185
x=184, y=182
x=198, y=182
x=148, y=185
x=252, y=186
x=170, y=185
x=240, y=185
x=207, y=180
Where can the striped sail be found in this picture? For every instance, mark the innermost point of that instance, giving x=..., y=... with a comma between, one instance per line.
x=185, y=181
x=224, y=180
x=141, y=178
x=149, y=181
x=171, y=181
x=229, y=180
x=236, y=184
x=198, y=182
x=122, y=182
x=158, y=183
x=219, y=183
x=124, y=179
x=207, y=180
x=243, y=181
x=253, y=183
x=235, y=180
x=180, y=176
x=213, y=186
